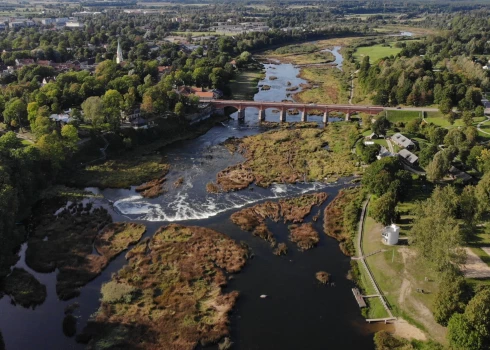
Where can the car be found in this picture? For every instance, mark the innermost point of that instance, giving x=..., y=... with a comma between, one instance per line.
x=398, y=107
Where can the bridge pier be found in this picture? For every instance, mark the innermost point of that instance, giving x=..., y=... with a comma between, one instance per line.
x=261, y=115
x=304, y=116
x=283, y=115
x=347, y=116
x=325, y=117
x=241, y=114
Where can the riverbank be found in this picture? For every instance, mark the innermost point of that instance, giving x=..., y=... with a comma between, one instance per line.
x=400, y=274
x=143, y=164
x=244, y=87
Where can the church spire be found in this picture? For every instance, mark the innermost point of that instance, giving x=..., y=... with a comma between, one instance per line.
x=119, y=54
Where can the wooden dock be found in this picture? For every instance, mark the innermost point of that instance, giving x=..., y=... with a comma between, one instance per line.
x=385, y=320
x=359, y=298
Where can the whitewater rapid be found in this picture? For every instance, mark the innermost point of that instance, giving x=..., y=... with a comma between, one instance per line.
x=184, y=207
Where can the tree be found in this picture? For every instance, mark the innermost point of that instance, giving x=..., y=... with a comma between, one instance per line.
x=179, y=109
x=435, y=232
x=438, y=167
x=413, y=126
x=70, y=137
x=112, y=101
x=479, y=111
x=451, y=297
x=380, y=126
x=379, y=175
x=477, y=313
x=455, y=137
x=445, y=106
x=366, y=121
x=383, y=209
x=93, y=111
x=51, y=149
x=462, y=335
x=32, y=108
x=436, y=135
x=427, y=154
x=482, y=193
x=467, y=118
x=15, y=110
x=41, y=126
x=368, y=153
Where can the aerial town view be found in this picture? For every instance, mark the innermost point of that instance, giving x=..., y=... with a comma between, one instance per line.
x=246, y=174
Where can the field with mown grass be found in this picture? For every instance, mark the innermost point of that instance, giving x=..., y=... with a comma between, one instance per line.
x=376, y=52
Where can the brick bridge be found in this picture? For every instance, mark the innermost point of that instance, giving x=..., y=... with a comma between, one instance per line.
x=283, y=107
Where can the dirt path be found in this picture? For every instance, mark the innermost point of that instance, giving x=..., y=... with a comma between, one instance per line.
x=474, y=266
x=418, y=310
x=403, y=329
x=480, y=124
x=351, y=96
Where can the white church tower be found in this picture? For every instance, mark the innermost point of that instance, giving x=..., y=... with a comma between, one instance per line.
x=119, y=55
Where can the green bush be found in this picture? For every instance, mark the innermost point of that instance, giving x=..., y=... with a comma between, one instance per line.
x=113, y=292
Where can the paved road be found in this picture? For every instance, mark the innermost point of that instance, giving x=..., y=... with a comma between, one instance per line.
x=390, y=146
x=415, y=109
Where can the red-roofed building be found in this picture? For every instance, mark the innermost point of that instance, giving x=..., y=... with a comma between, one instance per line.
x=205, y=95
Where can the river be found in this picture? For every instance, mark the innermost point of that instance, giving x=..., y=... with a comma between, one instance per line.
x=298, y=313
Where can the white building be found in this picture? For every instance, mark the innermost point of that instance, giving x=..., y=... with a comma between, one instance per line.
x=73, y=24
x=390, y=234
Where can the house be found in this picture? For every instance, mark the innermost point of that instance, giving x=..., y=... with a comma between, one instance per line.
x=21, y=62
x=188, y=90
x=403, y=141
x=383, y=152
x=205, y=95
x=162, y=70
x=75, y=25
x=408, y=157
x=373, y=136
x=60, y=119
x=456, y=174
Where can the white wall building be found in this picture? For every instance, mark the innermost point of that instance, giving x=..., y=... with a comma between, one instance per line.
x=391, y=234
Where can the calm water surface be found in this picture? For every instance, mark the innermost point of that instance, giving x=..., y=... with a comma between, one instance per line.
x=298, y=312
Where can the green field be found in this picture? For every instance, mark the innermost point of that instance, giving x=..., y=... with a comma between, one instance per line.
x=375, y=52
x=402, y=116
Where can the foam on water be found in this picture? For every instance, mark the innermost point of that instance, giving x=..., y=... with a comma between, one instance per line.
x=185, y=207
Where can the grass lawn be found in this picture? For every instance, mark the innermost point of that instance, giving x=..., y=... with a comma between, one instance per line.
x=402, y=116
x=245, y=86
x=375, y=52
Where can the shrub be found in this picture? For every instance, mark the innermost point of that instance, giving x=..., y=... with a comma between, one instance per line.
x=113, y=292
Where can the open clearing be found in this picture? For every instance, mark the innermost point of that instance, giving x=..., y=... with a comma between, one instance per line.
x=475, y=267
x=376, y=52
